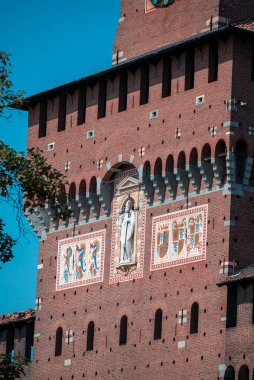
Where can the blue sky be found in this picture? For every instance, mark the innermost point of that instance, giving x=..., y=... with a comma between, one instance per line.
x=51, y=42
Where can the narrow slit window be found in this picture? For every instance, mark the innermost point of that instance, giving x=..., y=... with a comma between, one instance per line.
x=123, y=92
x=189, y=69
x=158, y=325
x=102, y=99
x=253, y=304
x=166, y=77
x=59, y=341
x=213, y=62
x=144, y=85
x=29, y=341
x=43, y=119
x=90, y=337
x=82, y=106
x=123, y=331
x=62, y=113
x=194, y=318
x=232, y=306
x=252, y=63
x=9, y=340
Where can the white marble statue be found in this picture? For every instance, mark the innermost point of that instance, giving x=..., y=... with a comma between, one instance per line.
x=127, y=225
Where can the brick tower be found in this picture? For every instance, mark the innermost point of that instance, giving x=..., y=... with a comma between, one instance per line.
x=152, y=277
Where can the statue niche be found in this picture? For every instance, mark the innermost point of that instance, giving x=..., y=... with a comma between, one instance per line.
x=129, y=207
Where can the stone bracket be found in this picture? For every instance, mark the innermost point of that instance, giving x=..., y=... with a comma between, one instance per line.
x=159, y=186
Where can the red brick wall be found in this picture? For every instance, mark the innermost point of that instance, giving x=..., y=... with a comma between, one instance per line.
x=141, y=32
x=172, y=289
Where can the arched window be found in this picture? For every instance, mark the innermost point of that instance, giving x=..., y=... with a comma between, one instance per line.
x=230, y=373
x=194, y=318
x=158, y=167
x=170, y=164
x=90, y=336
x=146, y=170
x=241, y=157
x=181, y=163
x=59, y=341
x=93, y=185
x=82, y=188
x=244, y=373
x=158, y=324
x=123, y=331
x=72, y=191
x=221, y=155
x=206, y=154
x=194, y=157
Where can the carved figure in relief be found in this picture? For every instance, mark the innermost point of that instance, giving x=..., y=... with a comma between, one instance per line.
x=127, y=225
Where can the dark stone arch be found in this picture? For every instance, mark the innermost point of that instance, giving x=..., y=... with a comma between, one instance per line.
x=117, y=168
x=146, y=170
x=158, y=324
x=90, y=336
x=241, y=158
x=181, y=162
x=93, y=185
x=244, y=373
x=221, y=150
x=72, y=191
x=206, y=154
x=158, y=166
x=123, y=330
x=194, y=318
x=230, y=373
x=170, y=164
x=194, y=157
x=59, y=341
x=220, y=159
x=82, y=188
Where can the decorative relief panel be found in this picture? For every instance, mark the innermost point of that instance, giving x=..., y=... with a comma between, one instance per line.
x=179, y=238
x=128, y=232
x=80, y=260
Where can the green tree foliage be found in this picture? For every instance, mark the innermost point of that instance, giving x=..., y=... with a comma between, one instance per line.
x=27, y=181
x=11, y=369
x=7, y=95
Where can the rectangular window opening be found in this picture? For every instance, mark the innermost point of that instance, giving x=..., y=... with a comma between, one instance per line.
x=43, y=119
x=166, y=77
x=123, y=92
x=213, y=62
x=62, y=113
x=232, y=306
x=29, y=341
x=82, y=106
x=189, y=69
x=102, y=100
x=144, y=85
x=10, y=340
